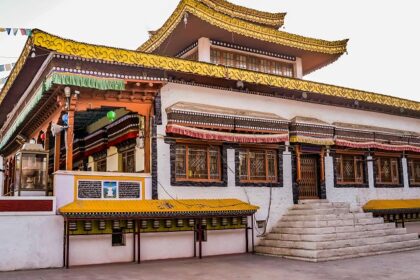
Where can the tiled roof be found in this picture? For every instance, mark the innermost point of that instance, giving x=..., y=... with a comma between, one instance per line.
x=392, y=205
x=158, y=208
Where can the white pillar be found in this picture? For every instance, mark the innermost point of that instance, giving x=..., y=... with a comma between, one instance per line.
x=287, y=170
x=230, y=158
x=1, y=176
x=298, y=68
x=405, y=172
x=371, y=178
x=204, y=49
x=329, y=172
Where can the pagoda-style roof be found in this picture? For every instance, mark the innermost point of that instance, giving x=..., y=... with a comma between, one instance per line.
x=45, y=43
x=193, y=19
x=274, y=20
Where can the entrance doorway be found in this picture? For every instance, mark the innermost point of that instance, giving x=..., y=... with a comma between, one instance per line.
x=309, y=177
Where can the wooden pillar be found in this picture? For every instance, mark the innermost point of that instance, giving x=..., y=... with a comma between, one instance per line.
x=298, y=153
x=138, y=241
x=147, y=141
x=252, y=234
x=322, y=156
x=246, y=236
x=67, y=245
x=200, y=239
x=69, y=141
x=134, y=240
x=195, y=238
x=57, y=144
x=64, y=242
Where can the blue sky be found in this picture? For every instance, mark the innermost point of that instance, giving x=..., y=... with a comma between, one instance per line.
x=382, y=55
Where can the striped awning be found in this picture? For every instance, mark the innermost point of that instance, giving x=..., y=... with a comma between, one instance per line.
x=206, y=134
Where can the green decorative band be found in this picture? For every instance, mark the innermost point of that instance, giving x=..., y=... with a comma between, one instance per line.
x=80, y=80
x=59, y=78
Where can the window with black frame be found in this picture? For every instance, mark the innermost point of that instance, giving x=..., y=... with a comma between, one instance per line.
x=387, y=170
x=414, y=171
x=350, y=169
x=198, y=163
x=257, y=165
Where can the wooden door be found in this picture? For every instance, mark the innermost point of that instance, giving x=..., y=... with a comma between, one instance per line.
x=308, y=185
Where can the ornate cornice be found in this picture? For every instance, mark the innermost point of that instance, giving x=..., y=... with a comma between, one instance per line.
x=275, y=20
x=241, y=27
x=16, y=70
x=135, y=58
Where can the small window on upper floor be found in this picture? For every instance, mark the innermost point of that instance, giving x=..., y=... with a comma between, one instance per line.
x=387, y=170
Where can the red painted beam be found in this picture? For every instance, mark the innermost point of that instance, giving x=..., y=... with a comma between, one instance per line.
x=26, y=205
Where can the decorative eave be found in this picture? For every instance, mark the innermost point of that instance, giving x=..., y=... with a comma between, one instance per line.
x=274, y=20
x=241, y=27
x=128, y=57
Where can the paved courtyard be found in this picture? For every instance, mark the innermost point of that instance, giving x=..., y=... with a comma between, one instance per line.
x=397, y=266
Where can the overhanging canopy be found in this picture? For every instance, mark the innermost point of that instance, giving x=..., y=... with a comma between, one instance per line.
x=157, y=208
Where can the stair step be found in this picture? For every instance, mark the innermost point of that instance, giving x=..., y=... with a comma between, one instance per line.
x=332, y=229
x=335, y=236
x=330, y=223
x=325, y=205
x=335, y=244
x=343, y=257
x=327, y=217
x=340, y=252
x=336, y=210
x=312, y=201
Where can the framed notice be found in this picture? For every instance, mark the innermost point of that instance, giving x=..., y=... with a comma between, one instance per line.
x=109, y=189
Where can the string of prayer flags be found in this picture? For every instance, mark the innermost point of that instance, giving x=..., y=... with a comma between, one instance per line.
x=3, y=81
x=6, y=67
x=15, y=31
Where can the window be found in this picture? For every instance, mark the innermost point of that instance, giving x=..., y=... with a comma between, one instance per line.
x=387, y=170
x=251, y=62
x=128, y=161
x=414, y=171
x=241, y=61
x=257, y=165
x=101, y=165
x=118, y=237
x=350, y=169
x=197, y=163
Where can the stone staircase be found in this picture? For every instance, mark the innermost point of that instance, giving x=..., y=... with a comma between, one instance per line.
x=318, y=230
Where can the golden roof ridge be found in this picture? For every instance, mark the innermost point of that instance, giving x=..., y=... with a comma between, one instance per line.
x=241, y=27
x=274, y=20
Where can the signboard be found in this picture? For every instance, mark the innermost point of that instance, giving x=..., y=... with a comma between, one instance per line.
x=108, y=189
x=89, y=189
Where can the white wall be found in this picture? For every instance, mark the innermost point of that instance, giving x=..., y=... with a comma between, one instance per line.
x=172, y=93
x=359, y=196
x=31, y=242
x=281, y=197
x=98, y=249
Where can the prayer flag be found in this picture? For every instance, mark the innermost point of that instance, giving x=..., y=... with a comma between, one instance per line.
x=15, y=31
x=8, y=30
x=23, y=31
x=1, y=68
x=8, y=67
x=28, y=31
x=2, y=29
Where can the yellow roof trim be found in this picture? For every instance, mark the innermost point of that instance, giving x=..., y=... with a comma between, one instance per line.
x=159, y=207
x=241, y=27
x=129, y=57
x=391, y=204
x=275, y=20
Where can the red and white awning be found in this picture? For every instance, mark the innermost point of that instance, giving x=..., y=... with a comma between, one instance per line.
x=226, y=136
x=377, y=145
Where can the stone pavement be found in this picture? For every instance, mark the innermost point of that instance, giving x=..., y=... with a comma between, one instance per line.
x=398, y=266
